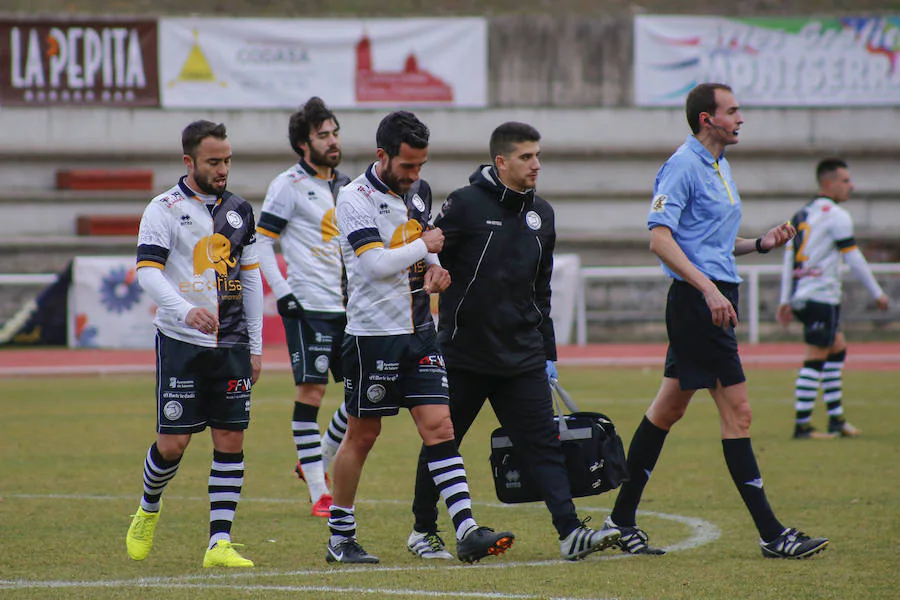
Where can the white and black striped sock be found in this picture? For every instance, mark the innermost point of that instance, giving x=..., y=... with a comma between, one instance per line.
x=226, y=479
x=449, y=475
x=158, y=472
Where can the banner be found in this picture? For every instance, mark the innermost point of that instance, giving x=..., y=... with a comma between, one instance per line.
x=806, y=62
x=107, y=306
x=87, y=62
x=279, y=63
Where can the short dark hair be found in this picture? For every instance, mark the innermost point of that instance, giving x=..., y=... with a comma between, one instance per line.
x=310, y=116
x=194, y=134
x=827, y=166
x=702, y=99
x=507, y=135
x=401, y=127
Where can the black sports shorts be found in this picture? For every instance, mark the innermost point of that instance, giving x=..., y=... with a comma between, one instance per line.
x=314, y=345
x=700, y=353
x=198, y=386
x=383, y=373
x=821, y=322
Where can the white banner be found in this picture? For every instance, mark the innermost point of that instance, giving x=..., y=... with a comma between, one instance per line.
x=107, y=307
x=769, y=61
x=564, y=285
x=279, y=63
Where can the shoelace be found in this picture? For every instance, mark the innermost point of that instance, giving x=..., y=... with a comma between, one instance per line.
x=141, y=525
x=638, y=533
x=434, y=541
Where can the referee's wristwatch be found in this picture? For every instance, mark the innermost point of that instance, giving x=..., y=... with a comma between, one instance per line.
x=759, y=247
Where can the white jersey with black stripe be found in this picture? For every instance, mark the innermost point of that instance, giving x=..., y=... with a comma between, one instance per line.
x=299, y=210
x=370, y=216
x=201, y=250
x=824, y=233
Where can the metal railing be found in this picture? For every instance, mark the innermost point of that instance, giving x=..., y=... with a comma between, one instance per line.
x=750, y=273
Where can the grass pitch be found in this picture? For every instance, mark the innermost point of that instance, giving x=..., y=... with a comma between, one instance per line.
x=72, y=451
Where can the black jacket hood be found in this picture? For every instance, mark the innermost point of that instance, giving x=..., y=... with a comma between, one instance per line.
x=486, y=177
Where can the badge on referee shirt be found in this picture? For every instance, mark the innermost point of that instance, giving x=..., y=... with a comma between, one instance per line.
x=659, y=203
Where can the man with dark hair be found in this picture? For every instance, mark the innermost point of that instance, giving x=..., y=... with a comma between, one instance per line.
x=496, y=333
x=390, y=355
x=196, y=258
x=811, y=290
x=693, y=220
x=299, y=211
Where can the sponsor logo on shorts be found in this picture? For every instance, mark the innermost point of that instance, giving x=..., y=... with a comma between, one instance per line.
x=320, y=348
x=434, y=360
x=375, y=393
x=322, y=364
x=179, y=395
x=173, y=410
x=445, y=383
x=323, y=338
x=348, y=384
x=181, y=384
x=533, y=220
x=295, y=358
x=381, y=365
x=247, y=405
x=381, y=377
x=239, y=385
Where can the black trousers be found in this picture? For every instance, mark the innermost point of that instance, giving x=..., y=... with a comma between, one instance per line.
x=524, y=407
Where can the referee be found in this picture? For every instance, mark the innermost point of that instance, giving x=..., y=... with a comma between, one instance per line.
x=693, y=221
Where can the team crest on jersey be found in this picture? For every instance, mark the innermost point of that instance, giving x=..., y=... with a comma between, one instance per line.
x=659, y=203
x=234, y=219
x=533, y=220
x=418, y=203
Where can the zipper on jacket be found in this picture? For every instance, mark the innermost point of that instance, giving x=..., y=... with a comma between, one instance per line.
x=471, y=281
x=533, y=279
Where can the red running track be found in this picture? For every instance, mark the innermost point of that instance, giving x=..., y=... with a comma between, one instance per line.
x=33, y=362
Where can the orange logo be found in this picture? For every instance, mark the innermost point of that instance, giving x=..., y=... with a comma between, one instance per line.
x=406, y=234
x=329, y=226
x=213, y=252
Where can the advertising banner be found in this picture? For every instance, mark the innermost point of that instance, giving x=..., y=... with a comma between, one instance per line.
x=107, y=306
x=279, y=63
x=805, y=62
x=88, y=62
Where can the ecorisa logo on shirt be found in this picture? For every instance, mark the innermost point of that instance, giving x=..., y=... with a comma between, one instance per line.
x=214, y=252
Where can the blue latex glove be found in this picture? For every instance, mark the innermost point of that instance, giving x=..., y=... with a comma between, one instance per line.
x=551, y=370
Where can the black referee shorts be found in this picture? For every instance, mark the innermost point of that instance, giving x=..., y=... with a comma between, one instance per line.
x=700, y=353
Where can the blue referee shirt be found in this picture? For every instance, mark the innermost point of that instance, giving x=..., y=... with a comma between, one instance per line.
x=695, y=196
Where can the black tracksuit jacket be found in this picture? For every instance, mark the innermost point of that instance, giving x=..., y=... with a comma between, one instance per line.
x=498, y=248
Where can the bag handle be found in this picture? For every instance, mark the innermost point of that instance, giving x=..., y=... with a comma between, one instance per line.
x=558, y=393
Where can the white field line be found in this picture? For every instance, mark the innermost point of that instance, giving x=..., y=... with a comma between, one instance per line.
x=702, y=532
x=588, y=361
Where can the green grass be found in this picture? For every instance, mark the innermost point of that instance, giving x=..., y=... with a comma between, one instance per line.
x=72, y=451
